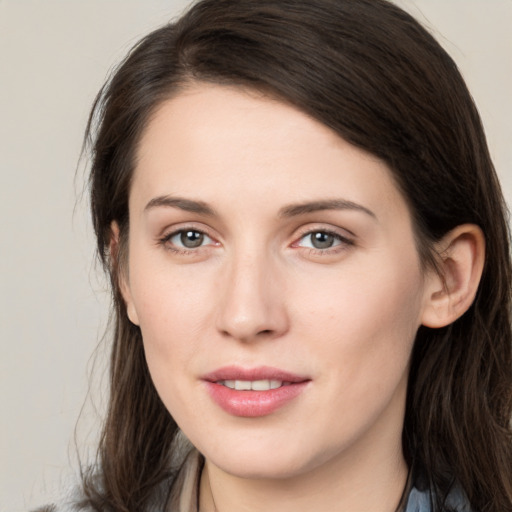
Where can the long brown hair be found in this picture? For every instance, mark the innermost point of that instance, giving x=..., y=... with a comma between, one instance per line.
x=370, y=72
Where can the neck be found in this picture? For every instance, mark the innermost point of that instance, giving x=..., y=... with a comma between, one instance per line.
x=354, y=483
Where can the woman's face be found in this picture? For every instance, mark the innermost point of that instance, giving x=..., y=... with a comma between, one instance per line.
x=268, y=255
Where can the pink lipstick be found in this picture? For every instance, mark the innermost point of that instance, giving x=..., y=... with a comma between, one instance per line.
x=253, y=392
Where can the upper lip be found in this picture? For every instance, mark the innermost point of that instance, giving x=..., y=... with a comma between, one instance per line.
x=252, y=374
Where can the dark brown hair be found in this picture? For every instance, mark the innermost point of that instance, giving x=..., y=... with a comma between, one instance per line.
x=370, y=72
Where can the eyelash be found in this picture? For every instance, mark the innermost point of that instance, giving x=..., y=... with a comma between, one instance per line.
x=343, y=241
x=187, y=251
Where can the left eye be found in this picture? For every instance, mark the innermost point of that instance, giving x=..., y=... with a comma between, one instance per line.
x=189, y=239
x=320, y=240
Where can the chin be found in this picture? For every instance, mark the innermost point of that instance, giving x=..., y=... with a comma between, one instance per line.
x=247, y=467
x=274, y=459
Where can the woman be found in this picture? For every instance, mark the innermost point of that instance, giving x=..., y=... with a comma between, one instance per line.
x=310, y=267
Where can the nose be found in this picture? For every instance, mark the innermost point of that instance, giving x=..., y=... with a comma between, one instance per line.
x=251, y=303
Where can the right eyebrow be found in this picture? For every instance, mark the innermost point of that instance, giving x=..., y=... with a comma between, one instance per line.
x=187, y=205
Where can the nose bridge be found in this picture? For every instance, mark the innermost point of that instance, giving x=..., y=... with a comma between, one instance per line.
x=251, y=303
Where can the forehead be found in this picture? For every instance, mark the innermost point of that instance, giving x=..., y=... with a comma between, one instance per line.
x=207, y=114
x=222, y=142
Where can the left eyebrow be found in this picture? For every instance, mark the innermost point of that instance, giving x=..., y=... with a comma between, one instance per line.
x=329, y=204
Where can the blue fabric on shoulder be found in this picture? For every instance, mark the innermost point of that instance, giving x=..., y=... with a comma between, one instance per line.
x=419, y=501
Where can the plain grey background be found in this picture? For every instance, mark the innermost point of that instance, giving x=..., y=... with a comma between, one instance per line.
x=54, y=56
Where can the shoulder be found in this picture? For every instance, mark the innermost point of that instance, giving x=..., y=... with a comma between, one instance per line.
x=421, y=501
x=418, y=501
x=174, y=493
x=69, y=507
x=70, y=499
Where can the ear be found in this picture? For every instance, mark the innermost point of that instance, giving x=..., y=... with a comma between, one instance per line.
x=120, y=270
x=450, y=292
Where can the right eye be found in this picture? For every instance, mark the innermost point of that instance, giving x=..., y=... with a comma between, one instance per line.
x=187, y=239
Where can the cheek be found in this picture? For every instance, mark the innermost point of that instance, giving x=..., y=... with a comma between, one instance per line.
x=174, y=306
x=171, y=315
x=169, y=320
x=365, y=321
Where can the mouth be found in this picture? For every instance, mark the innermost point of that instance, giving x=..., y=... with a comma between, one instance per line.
x=260, y=375
x=253, y=392
x=253, y=385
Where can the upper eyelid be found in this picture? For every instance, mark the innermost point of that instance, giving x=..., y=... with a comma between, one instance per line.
x=334, y=230
x=175, y=232
x=343, y=240
x=165, y=241
x=186, y=226
x=299, y=233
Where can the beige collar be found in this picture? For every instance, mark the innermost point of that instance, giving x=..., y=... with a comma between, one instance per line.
x=184, y=497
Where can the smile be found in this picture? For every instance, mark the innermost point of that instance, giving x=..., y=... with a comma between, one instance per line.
x=253, y=392
x=253, y=385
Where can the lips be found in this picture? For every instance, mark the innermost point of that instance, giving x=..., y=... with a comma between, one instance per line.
x=253, y=392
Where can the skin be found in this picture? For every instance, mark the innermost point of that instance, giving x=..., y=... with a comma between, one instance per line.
x=256, y=292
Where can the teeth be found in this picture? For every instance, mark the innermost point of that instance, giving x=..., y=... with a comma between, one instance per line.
x=252, y=385
x=243, y=385
x=261, y=385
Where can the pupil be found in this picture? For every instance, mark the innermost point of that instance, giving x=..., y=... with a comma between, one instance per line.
x=191, y=239
x=322, y=240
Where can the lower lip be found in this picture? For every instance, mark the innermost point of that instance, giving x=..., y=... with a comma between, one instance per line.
x=251, y=404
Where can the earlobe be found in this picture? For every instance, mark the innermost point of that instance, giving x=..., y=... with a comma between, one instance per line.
x=450, y=292
x=118, y=267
